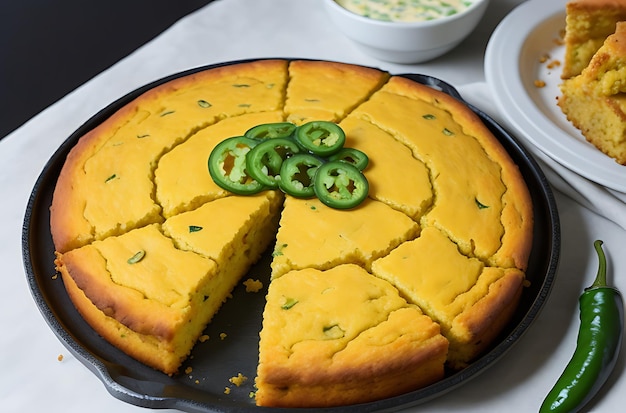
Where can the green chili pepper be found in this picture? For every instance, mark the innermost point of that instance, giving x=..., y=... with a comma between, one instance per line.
x=321, y=138
x=297, y=175
x=340, y=185
x=597, y=347
x=227, y=166
x=264, y=161
x=271, y=131
x=352, y=156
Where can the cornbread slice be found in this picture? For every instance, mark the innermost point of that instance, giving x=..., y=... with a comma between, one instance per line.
x=407, y=189
x=356, y=236
x=326, y=90
x=587, y=24
x=152, y=296
x=595, y=101
x=325, y=342
x=180, y=189
x=480, y=199
x=110, y=173
x=458, y=292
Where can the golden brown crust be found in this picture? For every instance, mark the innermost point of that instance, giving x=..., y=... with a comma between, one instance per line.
x=486, y=319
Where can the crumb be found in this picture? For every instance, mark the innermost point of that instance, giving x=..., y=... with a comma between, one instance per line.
x=226, y=390
x=55, y=276
x=197, y=381
x=553, y=64
x=238, y=380
x=251, y=395
x=203, y=338
x=188, y=370
x=60, y=357
x=252, y=286
x=544, y=58
x=222, y=336
x=540, y=83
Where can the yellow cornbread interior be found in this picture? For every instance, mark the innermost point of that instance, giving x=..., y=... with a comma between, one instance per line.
x=587, y=25
x=320, y=320
x=338, y=237
x=142, y=184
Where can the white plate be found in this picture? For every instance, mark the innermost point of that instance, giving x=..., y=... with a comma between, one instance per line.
x=513, y=62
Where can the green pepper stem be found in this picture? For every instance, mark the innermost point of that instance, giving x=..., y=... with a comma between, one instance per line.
x=600, y=280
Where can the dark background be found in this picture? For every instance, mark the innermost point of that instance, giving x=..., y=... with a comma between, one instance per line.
x=50, y=47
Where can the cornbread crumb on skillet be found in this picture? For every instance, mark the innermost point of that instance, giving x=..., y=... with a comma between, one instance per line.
x=587, y=24
x=438, y=179
x=595, y=101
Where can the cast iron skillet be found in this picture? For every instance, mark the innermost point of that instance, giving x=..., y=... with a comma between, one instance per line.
x=215, y=361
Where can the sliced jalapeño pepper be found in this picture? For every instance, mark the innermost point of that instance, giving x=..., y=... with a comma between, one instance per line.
x=340, y=185
x=263, y=162
x=297, y=175
x=321, y=138
x=352, y=156
x=227, y=166
x=271, y=131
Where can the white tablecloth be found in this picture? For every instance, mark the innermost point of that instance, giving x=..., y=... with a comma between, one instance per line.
x=31, y=377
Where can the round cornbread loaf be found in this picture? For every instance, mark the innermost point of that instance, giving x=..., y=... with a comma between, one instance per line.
x=379, y=299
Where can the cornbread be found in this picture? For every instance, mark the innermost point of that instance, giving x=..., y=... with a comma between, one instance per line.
x=595, y=100
x=362, y=304
x=587, y=24
x=321, y=320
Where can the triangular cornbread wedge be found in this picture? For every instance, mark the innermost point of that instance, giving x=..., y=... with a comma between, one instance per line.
x=328, y=91
x=587, y=24
x=356, y=236
x=595, y=100
x=455, y=290
x=480, y=200
x=325, y=342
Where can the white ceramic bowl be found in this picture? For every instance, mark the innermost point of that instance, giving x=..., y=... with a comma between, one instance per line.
x=406, y=42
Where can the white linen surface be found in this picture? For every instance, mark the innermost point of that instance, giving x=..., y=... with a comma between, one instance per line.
x=33, y=380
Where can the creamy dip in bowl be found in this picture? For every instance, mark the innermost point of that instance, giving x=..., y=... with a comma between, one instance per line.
x=406, y=31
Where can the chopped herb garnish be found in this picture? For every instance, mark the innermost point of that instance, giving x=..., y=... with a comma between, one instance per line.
x=194, y=228
x=204, y=104
x=143, y=136
x=111, y=178
x=241, y=85
x=137, y=257
x=334, y=331
x=428, y=116
x=244, y=105
x=479, y=204
x=290, y=302
x=447, y=132
x=311, y=100
x=169, y=112
x=278, y=250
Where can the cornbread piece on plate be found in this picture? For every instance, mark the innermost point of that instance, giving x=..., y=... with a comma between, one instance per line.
x=595, y=100
x=587, y=24
x=326, y=343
